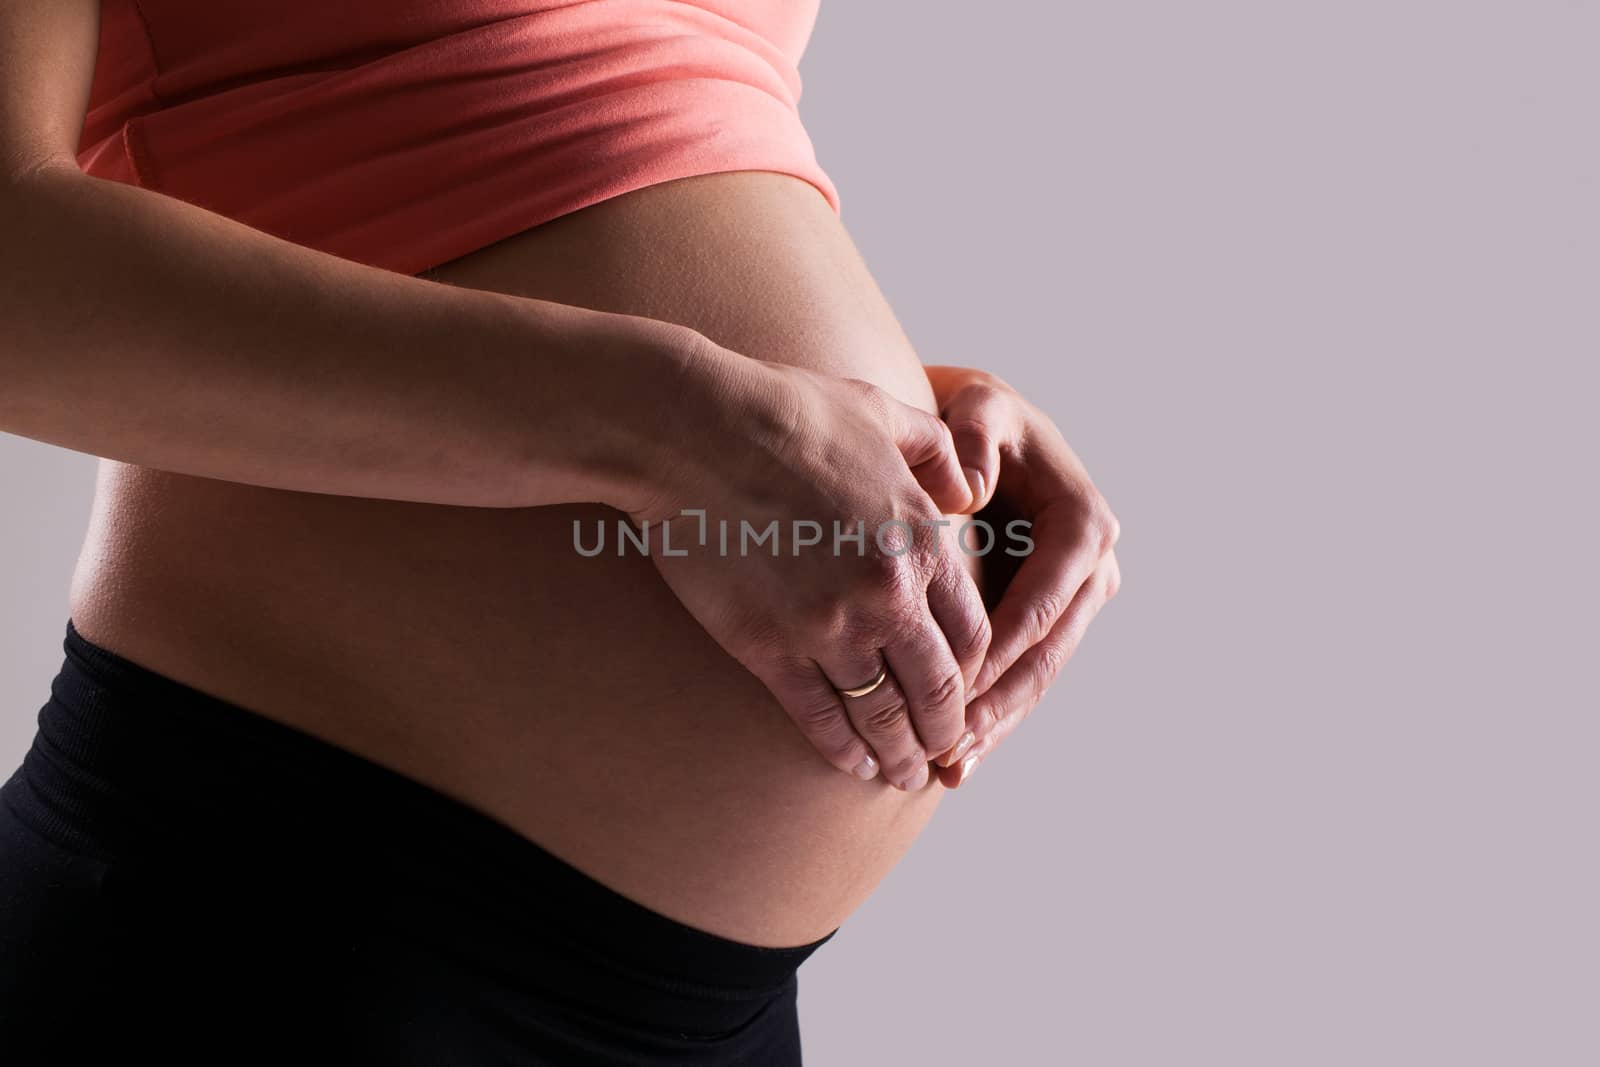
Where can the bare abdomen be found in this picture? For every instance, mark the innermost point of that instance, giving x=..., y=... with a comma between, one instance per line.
x=474, y=650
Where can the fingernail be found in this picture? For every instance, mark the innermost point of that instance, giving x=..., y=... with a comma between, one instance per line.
x=965, y=743
x=867, y=769
x=974, y=482
x=949, y=758
x=968, y=765
x=919, y=779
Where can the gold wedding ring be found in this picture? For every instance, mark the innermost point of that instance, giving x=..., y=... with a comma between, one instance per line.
x=863, y=690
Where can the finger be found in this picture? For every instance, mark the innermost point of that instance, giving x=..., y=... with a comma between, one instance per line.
x=980, y=417
x=957, y=608
x=924, y=441
x=999, y=711
x=929, y=677
x=1036, y=669
x=1066, y=553
x=811, y=701
x=883, y=719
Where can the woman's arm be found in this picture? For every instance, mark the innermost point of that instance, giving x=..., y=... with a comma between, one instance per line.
x=144, y=329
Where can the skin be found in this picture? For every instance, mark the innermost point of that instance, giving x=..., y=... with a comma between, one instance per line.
x=1023, y=468
x=397, y=576
x=576, y=700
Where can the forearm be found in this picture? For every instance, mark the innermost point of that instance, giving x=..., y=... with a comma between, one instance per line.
x=147, y=330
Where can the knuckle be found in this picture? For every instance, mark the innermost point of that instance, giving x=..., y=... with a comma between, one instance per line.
x=885, y=626
x=829, y=615
x=947, y=689
x=925, y=557
x=821, y=720
x=988, y=380
x=981, y=390
x=1044, y=612
x=886, y=718
x=1053, y=655
x=974, y=644
x=923, y=565
x=971, y=429
x=856, y=629
x=1102, y=526
x=891, y=614
x=887, y=573
x=987, y=719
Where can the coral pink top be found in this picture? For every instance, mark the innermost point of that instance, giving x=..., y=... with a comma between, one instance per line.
x=405, y=133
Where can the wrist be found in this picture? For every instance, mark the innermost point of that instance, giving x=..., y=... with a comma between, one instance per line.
x=642, y=404
x=637, y=381
x=709, y=420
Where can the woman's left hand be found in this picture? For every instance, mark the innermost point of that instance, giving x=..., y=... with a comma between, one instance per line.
x=1017, y=460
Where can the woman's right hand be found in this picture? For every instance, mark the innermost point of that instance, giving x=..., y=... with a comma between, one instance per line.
x=753, y=444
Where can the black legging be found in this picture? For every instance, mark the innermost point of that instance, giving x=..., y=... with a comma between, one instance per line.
x=185, y=878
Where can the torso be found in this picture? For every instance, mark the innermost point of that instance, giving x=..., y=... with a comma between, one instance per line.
x=573, y=699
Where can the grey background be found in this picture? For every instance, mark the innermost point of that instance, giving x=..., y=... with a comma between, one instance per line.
x=1314, y=290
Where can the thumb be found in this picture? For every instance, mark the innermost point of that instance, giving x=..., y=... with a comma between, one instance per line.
x=977, y=418
x=925, y=443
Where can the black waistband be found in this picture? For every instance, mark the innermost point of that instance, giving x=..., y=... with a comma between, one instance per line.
x=130, y=763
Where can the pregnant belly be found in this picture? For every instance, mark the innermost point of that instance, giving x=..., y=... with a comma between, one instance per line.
x=477, y=651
